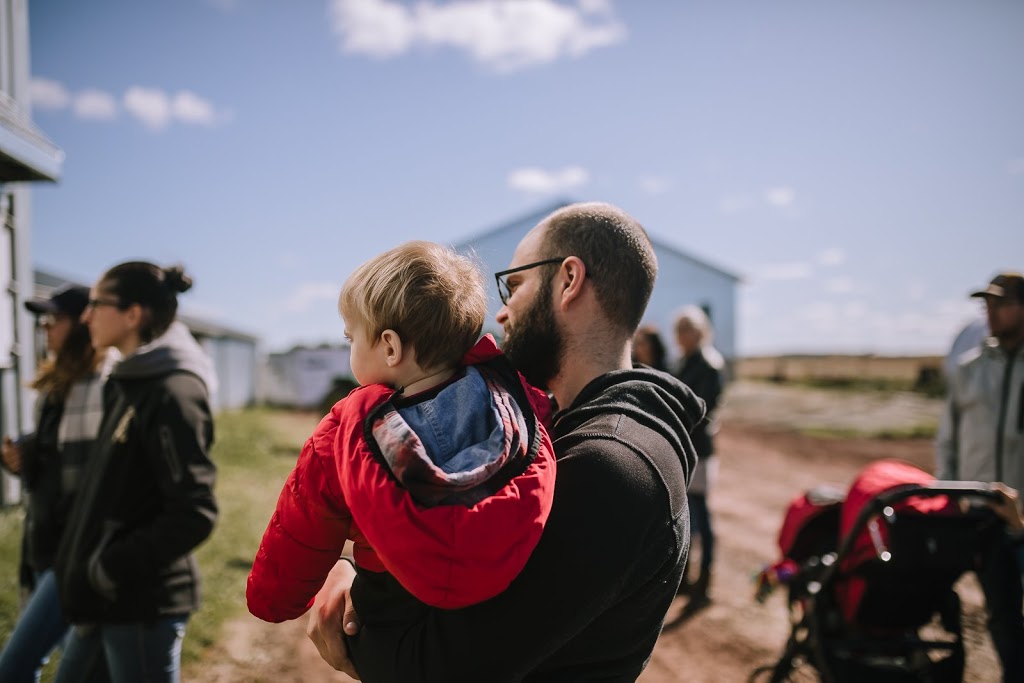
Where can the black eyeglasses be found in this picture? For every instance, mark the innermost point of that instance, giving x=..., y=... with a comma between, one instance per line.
x=504, y=291
x=94, y=303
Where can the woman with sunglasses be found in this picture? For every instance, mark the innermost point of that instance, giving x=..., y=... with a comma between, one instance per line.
x=127, y=578
x=50, y=462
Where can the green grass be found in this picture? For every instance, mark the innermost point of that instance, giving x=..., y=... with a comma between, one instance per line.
x=254, y=456
x=917, y=431
x=933, y=387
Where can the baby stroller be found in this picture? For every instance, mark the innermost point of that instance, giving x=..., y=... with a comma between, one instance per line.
x=870, y=577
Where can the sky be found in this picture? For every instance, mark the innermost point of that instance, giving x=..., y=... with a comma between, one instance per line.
x=858, y=163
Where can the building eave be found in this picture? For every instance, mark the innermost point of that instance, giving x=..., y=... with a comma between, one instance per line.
x=25, y=151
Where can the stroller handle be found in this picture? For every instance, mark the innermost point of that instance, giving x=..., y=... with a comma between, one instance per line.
x=875, y=506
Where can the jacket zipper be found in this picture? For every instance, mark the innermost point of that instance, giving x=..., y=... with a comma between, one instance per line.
x=1020, y=410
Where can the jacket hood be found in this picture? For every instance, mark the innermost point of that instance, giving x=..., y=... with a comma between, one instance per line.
x=652, y=398
x=176, y=350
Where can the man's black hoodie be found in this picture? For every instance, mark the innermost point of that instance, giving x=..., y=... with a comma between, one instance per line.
x=591, y=600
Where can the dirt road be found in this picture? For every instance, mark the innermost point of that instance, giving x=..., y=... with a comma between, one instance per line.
x=762, y=468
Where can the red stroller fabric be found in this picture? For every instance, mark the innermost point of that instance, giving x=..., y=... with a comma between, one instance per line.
x=876, y=478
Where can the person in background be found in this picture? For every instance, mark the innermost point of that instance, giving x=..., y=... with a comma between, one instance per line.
x=50, y=462
x=591, y=600
x=704, y=377
x=981, y=438
x=648, y=348
x=438, y=466
x=125, y=571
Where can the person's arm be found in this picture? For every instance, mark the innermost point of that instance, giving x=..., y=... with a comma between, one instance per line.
x=572, y=579
x=10, y=455
x=177, y=441
x=946, y=460
x=306, y=534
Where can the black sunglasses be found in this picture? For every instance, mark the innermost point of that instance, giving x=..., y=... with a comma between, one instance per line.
x=95, y=303
x=504, y=291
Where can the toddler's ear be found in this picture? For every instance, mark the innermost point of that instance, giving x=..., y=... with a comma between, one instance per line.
x=392, y=347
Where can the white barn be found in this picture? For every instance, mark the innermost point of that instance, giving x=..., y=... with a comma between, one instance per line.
x=682, y=279
x=26, y=155
x=302, y=376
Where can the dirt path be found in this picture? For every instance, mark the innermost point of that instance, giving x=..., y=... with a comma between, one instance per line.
x=762, y=468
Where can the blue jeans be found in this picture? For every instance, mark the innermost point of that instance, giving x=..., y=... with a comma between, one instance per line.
x=1000, y=579
x=140, y=652
x=700, y=525
x=39, y=630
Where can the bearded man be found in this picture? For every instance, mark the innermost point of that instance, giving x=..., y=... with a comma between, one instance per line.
x=590, y=603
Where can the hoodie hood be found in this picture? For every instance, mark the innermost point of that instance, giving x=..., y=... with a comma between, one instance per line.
x=176, y=350
x=652, y=398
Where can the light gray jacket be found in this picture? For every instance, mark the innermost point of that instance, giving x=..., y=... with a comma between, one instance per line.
x=981, y=436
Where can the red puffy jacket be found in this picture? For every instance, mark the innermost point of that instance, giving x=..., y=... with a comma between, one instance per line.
x=449, y=551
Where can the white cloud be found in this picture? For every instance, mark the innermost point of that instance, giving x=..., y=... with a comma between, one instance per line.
x=1015, y=166
x=840, y=285
x=149, y=105
x=190, y=108
x=310, y=293
x=731, y=204
x=503, y=34
x=654, y=184
x=833, y=256
x=48, y=94
x=784, y=271
x=780, y=196
x=94, y=105
x=541, y=181
x=156, y=108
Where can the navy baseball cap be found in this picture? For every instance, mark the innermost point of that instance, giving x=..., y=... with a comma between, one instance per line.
x=1004, y=286
x=69, y=300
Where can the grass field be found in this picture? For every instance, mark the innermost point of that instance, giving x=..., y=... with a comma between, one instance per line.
x=254, y=451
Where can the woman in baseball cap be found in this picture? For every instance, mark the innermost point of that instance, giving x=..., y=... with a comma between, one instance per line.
x=50, y=462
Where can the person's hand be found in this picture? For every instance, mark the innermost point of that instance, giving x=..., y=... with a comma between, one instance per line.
x=11, y=455
x=1007, y=506
x=331, y=614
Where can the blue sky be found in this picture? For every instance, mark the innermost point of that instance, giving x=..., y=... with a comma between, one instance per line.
x=859, y=162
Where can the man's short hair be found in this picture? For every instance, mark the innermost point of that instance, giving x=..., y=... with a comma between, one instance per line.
x=616, y=251
x=432, y=296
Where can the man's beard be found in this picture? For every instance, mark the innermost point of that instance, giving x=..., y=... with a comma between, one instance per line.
x=534, y=346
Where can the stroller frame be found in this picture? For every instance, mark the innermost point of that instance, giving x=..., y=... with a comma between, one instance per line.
x=888, y=649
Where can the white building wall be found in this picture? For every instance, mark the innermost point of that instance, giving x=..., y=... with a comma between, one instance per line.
x=16, y=327
x=302, y=376
x=234, y=361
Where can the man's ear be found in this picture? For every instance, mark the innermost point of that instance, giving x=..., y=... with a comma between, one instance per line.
x=392, y=347
x=572, y=276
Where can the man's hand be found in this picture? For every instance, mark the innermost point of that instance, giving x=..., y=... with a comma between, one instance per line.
x=11, y=455
x=1007, y=507
x=332, y=609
